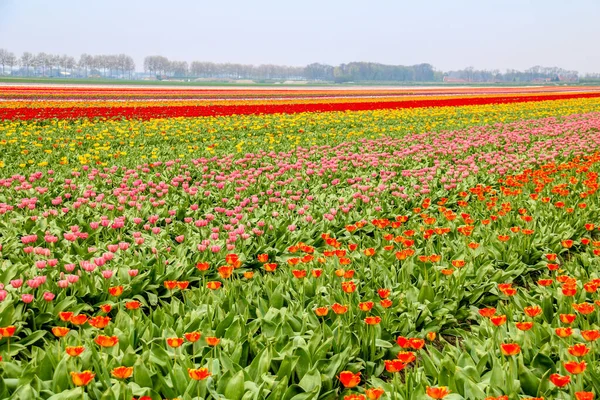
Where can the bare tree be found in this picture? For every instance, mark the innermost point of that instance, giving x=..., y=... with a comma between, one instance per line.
x=26, y=61
x=3, y=58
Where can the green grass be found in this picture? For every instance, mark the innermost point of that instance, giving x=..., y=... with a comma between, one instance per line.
x=94, y=81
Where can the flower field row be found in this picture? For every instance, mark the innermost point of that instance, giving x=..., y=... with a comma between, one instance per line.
x=417, y=253
x=182, y=108
x=125, y=93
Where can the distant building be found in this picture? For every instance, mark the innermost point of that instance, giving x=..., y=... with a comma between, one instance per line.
x=449, y=79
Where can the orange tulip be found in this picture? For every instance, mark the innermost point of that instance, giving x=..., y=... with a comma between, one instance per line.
x=74, y=351
x=182, y=285
x=339, y=309
x=355, y=397
x=383, y=293
x=174, y=342
x=348, y=286
x=372, y=320
x=99, y=322
x=225, y=271
x=584, y=395
x=393, y=366
x=115, y=291
x=591, y=335
x=406, y=357
x=132, y=305
x=487, y=312
x=510, y=349
x=579, y=350
x=385, y=303
x=213, y=285
x=231, y=259
x=567, y=318
x=198, y=374
x=60, y=331
x=374, y=393
x=524, y=326
x=416, y=344
x=202, y=266
x=106, y=341
x=8, y=331
x=365, y=306
x=79, y=319
x=192, y=336
x=170, y=285
x=82, y=378
x=437, y=392
x=533, y=311
x=270, y=267
x=65, y=315
x=498, y=320
x=212, y=341
x=349, y=379
x=559, y=380
x=564, y=332
x=584, y=308
x=299, y=273
x=403, y=342
x=321, y=311
x=106, y=308
x=575, y=367
x=122, y=372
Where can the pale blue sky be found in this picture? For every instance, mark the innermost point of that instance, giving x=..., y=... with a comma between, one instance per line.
x=449, y=34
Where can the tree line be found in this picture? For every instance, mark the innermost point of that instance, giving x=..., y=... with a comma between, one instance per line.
x=43, y=64
x=533, y=74
x=122, y=66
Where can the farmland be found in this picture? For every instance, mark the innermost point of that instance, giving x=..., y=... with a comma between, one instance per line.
x=379, y=243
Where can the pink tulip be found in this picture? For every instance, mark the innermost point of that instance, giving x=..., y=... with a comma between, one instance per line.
x=16, y=283
x=48, y=296
x=27, y=298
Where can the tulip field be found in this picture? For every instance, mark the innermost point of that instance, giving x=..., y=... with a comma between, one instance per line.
x=307, y=244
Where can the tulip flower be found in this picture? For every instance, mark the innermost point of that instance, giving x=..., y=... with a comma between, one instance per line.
x=437, y=392
x=82, y=378
x=122, y=372
x=560, y=380
x=510, y=349
x=198, y=374
x=74, y=351
x=349, y=379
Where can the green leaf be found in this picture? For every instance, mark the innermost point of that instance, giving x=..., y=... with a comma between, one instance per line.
x=311, y=380
x=235, y=387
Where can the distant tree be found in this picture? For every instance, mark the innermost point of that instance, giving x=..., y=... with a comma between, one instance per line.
x=3, y=55
x=11, y=61
x=179, y=68
x=86, y=61
x=26, y=61
x=7, y=58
